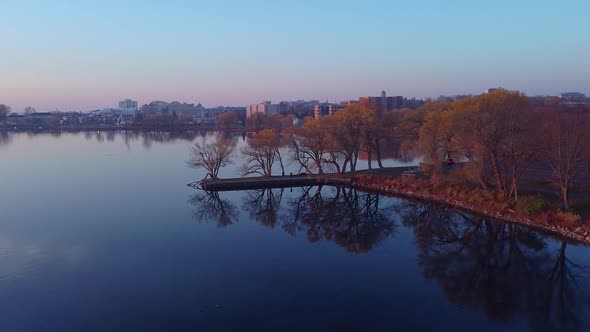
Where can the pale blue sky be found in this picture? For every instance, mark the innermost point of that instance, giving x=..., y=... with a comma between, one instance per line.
x=89, y=54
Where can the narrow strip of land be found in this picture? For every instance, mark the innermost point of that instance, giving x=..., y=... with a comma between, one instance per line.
x=376, y=183
x=249, y=183
x=300, y=180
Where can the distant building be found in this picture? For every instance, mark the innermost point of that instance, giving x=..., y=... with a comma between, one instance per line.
x=573, y=96
x=128, y=103
x=116, y=111
x=187, y=111
x=14, y=119
x=272, y=109
x=257, y=108
x=299, y=108
x=382, y=103
x=490, y=90
x=321, y=110
x=267, y=108
x=155, y=108
x=41, y=118
x=302, y=108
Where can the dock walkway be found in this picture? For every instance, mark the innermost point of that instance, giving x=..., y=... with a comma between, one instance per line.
x=287, y=181
x=247, y=183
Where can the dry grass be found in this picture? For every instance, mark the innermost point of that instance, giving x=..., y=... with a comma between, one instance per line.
x=565, y=218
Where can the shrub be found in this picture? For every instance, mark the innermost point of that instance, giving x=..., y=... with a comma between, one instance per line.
x=567, y=218
x=529, y=205
x=481, y=196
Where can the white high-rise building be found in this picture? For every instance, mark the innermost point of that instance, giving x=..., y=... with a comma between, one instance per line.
x=128, y=104
x=258, y=108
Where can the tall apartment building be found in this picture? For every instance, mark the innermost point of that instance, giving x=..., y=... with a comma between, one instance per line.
x=257, y=108
x=128, y=103
x=326, y=109
x=154, y=108
x=267, y=108
x=382, y=103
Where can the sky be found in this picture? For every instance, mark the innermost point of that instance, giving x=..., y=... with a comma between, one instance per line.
x=83, y=55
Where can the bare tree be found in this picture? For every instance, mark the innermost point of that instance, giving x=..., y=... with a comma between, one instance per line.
x=345, y=134
x=309, y=146
x=262, y=151
x=29, y=110
x=567, y=146
x=212, y=157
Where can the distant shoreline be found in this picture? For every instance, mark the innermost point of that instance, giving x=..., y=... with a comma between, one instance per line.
x=125, y=128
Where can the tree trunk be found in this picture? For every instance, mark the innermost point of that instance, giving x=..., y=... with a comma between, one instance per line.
x=278, y=154
x=319, y=165
x=369, y=158
x=498, y=177
x=482, y=182
x=514, y=185
x=378, y=151
x=565, y=196
x=345, y=165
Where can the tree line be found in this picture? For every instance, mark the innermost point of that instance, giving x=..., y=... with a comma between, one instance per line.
x=498, y=136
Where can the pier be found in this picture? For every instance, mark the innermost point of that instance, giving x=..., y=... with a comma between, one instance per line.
x=300, y=180
x=247, y=183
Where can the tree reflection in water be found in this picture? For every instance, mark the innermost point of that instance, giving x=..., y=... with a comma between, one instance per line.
x=264, y=205
x=562, y=295
x=208, y=206
x=147, y=138
x=503, y=269
x=507, y=271
x=5, y=138
x=355, y=221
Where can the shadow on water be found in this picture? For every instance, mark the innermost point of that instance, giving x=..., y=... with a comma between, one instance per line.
x=506, y=271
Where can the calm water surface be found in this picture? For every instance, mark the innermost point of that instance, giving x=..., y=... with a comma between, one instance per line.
x=99, y=232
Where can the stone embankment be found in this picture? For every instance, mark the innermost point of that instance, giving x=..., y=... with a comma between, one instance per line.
x=577, y=234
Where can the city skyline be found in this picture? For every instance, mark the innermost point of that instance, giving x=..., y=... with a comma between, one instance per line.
x=87, y=56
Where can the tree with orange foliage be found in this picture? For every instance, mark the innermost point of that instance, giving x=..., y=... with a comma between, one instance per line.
x=492, y=131
x=228, y=120
x=345, y=129
x=261, y=153
x=309, y=146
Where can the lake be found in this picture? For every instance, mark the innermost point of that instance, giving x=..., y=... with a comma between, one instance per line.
x=100, y=232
